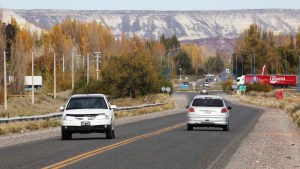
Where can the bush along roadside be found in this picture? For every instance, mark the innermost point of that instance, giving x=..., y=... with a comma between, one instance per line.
x=294, y=111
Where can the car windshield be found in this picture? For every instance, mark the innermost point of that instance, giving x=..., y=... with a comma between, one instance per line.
x=208, y=103
x=87, y=103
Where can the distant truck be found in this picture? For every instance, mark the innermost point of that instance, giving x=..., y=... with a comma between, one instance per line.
x=37, y=82
x=275, y=80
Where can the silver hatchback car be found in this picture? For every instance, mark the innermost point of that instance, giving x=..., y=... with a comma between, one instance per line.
x=208, y=111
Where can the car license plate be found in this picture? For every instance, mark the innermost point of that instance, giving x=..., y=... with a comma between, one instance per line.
x=207, y=112
x=85, y=123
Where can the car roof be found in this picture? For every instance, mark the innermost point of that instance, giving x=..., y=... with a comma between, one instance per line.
x=208, y=96
x=87, y=95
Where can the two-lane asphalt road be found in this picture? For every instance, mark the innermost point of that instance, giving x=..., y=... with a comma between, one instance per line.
x=162, y=143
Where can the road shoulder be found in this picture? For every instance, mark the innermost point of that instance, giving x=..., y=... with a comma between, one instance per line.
x=273, y=143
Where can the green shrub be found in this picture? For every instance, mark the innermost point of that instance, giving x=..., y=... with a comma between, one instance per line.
x=227, y=85
x=259, y=87
x=92, y=88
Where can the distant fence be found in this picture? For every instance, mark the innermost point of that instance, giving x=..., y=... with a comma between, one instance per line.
x=58, y=115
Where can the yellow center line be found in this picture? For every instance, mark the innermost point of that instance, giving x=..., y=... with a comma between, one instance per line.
x=86, y=155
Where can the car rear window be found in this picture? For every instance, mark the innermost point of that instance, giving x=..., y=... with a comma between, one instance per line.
x=208, y=103
x=87, y=103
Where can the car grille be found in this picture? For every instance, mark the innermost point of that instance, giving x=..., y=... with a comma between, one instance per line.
x=81, y=116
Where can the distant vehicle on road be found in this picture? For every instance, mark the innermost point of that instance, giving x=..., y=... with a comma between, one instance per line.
x=203, y=91
x=88, y=113
x=185, y=85
x=206, y=84
x=209, y=77
x=208, y=111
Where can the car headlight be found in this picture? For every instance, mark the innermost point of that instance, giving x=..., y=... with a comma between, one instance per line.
x=68, y=118
x=102, y=116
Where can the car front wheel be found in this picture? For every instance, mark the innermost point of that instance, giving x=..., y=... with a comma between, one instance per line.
x=109, y=132
x=65, y=135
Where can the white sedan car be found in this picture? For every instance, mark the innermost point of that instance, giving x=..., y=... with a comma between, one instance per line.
x=208, y=111
x=87, y=113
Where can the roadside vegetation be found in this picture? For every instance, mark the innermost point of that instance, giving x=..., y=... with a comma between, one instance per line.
x=21, y=127
x=279, y=53
x=290, y=102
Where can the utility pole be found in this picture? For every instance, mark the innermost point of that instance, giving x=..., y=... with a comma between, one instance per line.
x=63, y=63
x=54, y=80
x=82, y=61
x=236, y=67
x=254, y=65
x=88, y=68
x=72, y=70
x=63, y=67
x=97, y=60
x=32, y=81
x=242, y=65
x=5, y=91
x=251, y=62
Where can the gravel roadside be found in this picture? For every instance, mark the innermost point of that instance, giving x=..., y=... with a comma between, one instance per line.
x=19, y=138
x=274, y=143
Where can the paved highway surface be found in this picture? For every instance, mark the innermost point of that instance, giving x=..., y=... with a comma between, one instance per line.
x=162, y=143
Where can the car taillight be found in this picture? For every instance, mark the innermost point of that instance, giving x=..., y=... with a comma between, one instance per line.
x=224, y=110
x=191, y=110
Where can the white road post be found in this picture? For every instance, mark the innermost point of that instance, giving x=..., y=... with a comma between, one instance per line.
x=72, y=70
x=5, y=91
x=32, y=81
x=88, y=68
x=54, y=80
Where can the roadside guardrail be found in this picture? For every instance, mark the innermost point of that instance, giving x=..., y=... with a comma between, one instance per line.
x=59, y=114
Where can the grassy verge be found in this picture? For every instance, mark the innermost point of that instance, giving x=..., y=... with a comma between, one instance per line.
x=290, y=103
x=147, y=110
x=19, y=127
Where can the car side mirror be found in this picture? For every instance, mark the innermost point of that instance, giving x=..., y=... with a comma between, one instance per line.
x=229, y=107
x=114, y=107
x=61, y=109
x=187, y=106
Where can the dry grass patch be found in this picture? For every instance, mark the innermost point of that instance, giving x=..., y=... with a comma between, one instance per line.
x=150, y=99
x=290, y=102
x=19, y=127
x=22, y=106
x=147, y=110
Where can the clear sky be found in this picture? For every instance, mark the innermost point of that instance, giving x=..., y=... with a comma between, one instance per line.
x=150, y=4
